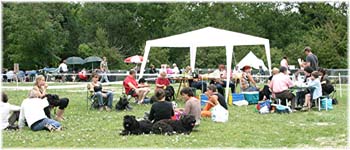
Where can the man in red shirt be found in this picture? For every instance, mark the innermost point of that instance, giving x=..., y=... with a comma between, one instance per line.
x=162, y=81
x=131, y=84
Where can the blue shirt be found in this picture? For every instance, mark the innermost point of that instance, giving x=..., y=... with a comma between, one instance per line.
x=318, y=88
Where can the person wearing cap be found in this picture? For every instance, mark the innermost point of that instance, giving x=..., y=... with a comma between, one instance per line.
x=280, y=84
x=311, y=59
x=247, y=82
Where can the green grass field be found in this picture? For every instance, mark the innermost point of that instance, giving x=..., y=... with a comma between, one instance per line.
x=245, y=128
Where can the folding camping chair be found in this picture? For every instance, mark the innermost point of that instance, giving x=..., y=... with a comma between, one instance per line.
x=92, y=98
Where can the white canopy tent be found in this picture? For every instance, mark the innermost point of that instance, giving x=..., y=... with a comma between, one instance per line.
x=251, y=60
x=207, y=37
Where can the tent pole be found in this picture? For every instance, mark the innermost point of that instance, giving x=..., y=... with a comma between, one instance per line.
x=268, y=55
x=145, y=57
x=229, y=51
x=193, y=51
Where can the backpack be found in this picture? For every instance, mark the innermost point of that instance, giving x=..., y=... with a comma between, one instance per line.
x=327, y=88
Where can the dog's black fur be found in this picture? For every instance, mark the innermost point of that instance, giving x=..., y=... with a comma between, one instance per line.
x=169, y=127
x=169, y=93
x=53, y=100
x=132, y=126
x=122, y=103
x=153, y=99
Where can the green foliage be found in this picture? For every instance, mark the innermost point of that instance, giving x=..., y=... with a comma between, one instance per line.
x=41, y=34
x=33, y=32
x=158, y=56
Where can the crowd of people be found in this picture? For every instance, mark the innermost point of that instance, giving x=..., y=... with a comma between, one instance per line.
x=35, y=110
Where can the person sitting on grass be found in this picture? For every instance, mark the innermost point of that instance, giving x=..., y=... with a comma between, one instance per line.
x=214, y=98
x=39, y=91
x=192, y=105
x=161, y=109
x=7, y=119
x=32, y=111
x=101, y=93
x=315, y=89
x=132, y=88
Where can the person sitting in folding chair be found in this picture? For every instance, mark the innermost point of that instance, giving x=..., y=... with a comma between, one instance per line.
x=132, y=88
x=327, y=87
x=280, y=84
x=315, y=90
x=101, y=93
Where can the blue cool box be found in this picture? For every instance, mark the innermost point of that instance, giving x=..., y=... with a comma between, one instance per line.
x=237, y=97
x=251, y=97
x=204, y=99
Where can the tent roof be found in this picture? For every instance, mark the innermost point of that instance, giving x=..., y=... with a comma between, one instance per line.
x=251, y=60
x=205, y=37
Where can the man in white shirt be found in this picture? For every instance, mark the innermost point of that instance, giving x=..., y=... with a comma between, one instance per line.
x=5, y=110
x=32, y=110
x=62, y=68
x=175, y=69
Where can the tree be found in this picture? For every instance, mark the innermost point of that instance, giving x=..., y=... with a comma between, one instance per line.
x=33, y=36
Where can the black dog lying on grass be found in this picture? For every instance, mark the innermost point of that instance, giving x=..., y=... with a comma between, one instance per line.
x=169, y=127
x=132, y=126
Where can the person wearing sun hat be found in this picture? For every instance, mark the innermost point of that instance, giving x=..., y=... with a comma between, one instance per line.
x=247, y=82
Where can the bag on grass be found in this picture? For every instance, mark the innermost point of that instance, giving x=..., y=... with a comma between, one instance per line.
x=264, y=107
x=219, y=114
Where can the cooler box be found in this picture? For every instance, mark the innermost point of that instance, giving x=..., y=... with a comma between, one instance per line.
x=251, y=97
x=235, y=97
x=204, y=99
x=329, y=103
